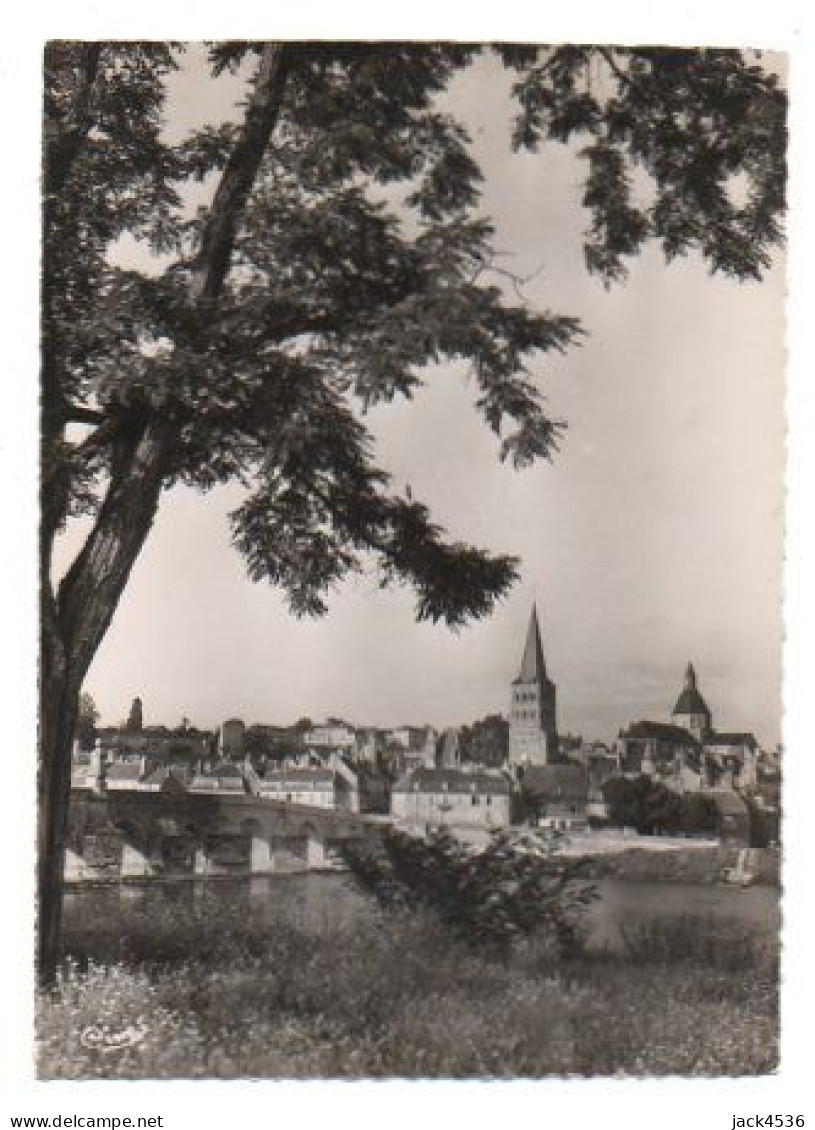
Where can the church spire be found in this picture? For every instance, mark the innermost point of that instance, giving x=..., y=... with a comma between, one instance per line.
x=691, y=710
x=533, y=667
x=533, y=709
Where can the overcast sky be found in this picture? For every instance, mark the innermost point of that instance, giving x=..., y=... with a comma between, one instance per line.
x=655, y=537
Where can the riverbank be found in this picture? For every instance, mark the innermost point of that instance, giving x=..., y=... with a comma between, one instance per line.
x=210, y=990
x=613, y=854
x=706, y=865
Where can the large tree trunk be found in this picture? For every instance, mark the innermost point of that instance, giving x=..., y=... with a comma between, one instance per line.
x=58, y=708
x=74, y=624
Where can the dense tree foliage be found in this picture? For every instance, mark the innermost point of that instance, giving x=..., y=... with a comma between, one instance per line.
x=651, y=807
x=87, y=718
x=491, y=898
x=485, y=742
x=341, y=253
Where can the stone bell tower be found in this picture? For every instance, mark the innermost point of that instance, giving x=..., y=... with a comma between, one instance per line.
x=533, y=709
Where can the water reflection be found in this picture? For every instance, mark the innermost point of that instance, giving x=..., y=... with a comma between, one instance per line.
x=328, y=900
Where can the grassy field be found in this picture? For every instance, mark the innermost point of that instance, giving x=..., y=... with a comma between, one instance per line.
x=213, y=991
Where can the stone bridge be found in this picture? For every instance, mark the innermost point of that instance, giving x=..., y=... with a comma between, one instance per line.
x=143, y=835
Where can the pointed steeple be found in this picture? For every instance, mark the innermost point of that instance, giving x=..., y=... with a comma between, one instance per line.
x=533, y=667
x=691, y=704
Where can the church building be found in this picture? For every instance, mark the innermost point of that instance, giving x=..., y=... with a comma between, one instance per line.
x=691, y=711
x=532, y=716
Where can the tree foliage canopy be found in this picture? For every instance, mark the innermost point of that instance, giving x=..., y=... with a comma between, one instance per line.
x=485, y=742
x=86, y=722
x=651, y=807
x=357, y=256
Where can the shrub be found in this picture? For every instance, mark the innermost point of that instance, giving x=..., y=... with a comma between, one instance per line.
x=698, y=813
x=489, y=898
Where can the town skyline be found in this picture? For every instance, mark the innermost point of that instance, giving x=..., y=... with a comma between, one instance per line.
x=319, y=717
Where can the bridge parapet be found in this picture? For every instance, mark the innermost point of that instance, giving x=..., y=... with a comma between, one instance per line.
x=159, y=835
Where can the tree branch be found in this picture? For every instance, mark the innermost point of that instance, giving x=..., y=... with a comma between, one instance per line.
x=262, y=112
x=91, y=588
x=78, y=414
x=624, y=78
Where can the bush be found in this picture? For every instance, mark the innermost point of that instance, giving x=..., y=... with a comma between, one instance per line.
x=489, y=898
x=698, y=813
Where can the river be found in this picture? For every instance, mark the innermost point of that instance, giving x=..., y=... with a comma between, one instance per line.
x=320, y=898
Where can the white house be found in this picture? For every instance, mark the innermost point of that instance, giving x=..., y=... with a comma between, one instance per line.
x=223, y=778
x=124, y=775
x=319, y=786
x=331, y=735
x=439, y=797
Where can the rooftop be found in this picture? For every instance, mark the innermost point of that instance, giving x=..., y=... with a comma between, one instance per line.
x=562, y=782
x=660, y=731
x=732, y=739
x=166, y=777
x=299, y=777
x=690, y=701
x=727, y=802
x=124, y=771
x=450, y=781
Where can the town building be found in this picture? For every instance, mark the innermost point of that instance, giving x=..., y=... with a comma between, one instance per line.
x=448, y=754
x=164, y=780
x=116, y=743
x=264, y=743
x=555, y=796
x=331, y=735
x=232, y=738
x=660, y=749
x=433, y=798
x=691, y=711
x=374, y=790
x=733, y=760
x=368, y=745
x=185, y=762
x=123, y=775
x=733, y=823
x=418, y=744
x=225, y=777
x=86, y=768
x=320, y=787
x=601, y=765
x=687, y=753
x=533, y=709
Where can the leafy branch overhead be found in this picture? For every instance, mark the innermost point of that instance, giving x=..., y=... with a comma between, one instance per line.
x=344, y=252
x=703, y=131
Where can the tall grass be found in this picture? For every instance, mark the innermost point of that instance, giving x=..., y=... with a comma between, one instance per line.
x=217, y=991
